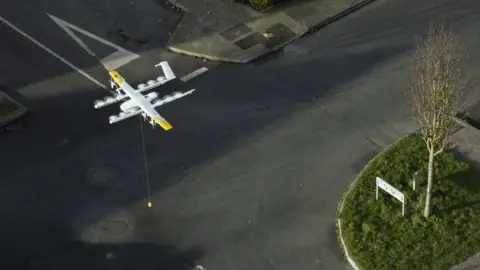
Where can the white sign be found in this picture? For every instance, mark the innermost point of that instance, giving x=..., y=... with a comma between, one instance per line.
x=392, y=191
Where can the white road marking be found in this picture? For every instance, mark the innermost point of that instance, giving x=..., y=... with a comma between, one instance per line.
x=115, y=60
x=194, y=74
x=52, y=52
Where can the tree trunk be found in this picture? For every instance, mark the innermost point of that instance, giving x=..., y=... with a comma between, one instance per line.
x=429, y=185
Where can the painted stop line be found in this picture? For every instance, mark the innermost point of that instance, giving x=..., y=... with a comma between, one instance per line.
x=45, y=48
x=115, y=60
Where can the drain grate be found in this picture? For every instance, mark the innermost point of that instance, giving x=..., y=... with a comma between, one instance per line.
x=250, y=41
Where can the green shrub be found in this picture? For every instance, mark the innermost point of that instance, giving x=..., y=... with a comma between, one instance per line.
x=261, y=4
x=378, y=237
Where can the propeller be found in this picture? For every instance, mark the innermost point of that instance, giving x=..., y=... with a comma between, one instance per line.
x=152, y=123
x=112, y=84
x=144, y=116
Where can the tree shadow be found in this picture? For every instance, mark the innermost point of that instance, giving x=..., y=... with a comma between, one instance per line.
x=252, y=99
x=462, y=154
x=468, y=181
x=77, y=255
x=46, y=178
x=462, y=205
x=41, y=243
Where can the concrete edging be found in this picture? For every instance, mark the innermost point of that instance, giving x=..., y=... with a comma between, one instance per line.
x=349, y=259
x=177, y=5
x=465, y=124
x=311, y=29
x=350, y=188
x=202, y=56
x=339, y=220
x=318, y=26
x=21, y=110
x=339, y=15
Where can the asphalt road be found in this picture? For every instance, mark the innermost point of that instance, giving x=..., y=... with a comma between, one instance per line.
x=250, y=175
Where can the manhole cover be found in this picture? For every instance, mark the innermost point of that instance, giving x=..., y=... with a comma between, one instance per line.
x=101, y=177
x=250, y=41
x=115, y=227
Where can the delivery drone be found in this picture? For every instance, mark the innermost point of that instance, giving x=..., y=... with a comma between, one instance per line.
x=139, y=103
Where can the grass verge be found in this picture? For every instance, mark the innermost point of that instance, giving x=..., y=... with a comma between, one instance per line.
x=378, y=237
x=260, y=5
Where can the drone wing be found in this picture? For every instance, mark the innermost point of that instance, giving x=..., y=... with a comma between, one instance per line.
x=150, y=84
x=170, y=98
x=123, y=115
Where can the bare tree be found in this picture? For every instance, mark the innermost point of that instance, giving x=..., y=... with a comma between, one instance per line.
x=436, y=92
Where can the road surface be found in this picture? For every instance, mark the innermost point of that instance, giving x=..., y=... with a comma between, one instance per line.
x=252, y=171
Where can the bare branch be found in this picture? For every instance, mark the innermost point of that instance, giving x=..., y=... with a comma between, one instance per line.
x=437, y=85
x=436, y=92
x=439, y=151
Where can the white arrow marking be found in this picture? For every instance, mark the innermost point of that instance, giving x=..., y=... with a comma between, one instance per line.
x=51, y=52
x=111, y=62
x=194, y=74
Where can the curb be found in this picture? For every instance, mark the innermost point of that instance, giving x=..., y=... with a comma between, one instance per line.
x=469, y=264
x=350, y=188
x=310, y=30
x=463, y=121
x=177, y=5
x=339, y=220
x=319, y=26
x=338, y=16
x=202, y=56
x=19, y=112
x=349, y=259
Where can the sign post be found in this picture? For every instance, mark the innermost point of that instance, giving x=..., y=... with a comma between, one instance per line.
x=390, y=190
x=415, y=180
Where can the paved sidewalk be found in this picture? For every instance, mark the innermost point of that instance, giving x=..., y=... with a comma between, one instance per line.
x=222, y=30
x=467, y=145
x=466, y=140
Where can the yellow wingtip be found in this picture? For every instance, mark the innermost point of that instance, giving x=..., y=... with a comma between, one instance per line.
x=165, y=124
x=116, y=76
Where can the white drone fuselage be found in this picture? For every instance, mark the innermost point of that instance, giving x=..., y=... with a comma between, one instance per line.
x=139, y=103
x=132, y=105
